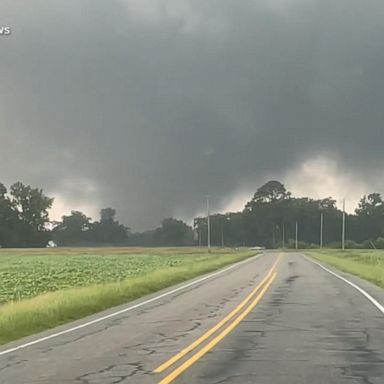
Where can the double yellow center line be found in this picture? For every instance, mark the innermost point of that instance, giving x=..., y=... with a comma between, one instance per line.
x=256, y=294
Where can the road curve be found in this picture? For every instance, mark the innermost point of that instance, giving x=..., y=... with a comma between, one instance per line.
x=276, y=319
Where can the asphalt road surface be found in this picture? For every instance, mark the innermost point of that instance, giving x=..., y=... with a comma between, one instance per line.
x=276, y=319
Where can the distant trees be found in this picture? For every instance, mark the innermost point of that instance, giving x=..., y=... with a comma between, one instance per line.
x=273, y=211
x=77, y=229
x=23, y=216
x=226, y=229
x=108, y=230
x=24, y=222
x=173, y=232
x=270, y=193
x=8, y=219
x=270, y=214
x=143, y=239
x=74, y=229
x=265, y=213
x=368, y=224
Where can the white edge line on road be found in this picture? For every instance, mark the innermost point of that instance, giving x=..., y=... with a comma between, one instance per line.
x=99, y=319
x=361, y=290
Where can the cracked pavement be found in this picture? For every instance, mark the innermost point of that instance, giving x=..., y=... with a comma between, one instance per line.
x=309, y=328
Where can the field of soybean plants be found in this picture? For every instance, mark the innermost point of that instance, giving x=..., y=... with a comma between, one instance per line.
x=28, y=273
x=41, y=289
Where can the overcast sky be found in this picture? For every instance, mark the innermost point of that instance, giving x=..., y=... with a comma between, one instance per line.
x=149, y=105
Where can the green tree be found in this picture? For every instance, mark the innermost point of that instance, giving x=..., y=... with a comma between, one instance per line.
x=174, y=232
x=8, y=220
x=271, y=192
x=31, y=208
x=371, y=205
x=369, y=223
x=108, y=230
x=226, y=229
x=32, y=205
x=266, y=213
x=73, y=230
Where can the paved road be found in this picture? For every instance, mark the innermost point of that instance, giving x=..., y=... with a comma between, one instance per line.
x=304, y=326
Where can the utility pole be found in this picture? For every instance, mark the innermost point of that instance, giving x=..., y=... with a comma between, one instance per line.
x=208, y=227
x=343, y=228
x=321, y=228
x=297, y=235
x=222, y=236
x=283, y=235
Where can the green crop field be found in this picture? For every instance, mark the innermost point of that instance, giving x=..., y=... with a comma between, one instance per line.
x=43, y=288
x=368, y=264
x=25, y=274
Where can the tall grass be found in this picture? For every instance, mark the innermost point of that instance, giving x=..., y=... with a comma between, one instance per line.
x=26, y=317
x=368, y=264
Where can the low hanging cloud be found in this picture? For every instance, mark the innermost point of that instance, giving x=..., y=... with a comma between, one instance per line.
x=149, y=105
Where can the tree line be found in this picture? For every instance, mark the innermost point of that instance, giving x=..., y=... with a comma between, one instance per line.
x=268, y=219
x=24, y=222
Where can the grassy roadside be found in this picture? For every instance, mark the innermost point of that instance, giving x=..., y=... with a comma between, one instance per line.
x=29, y=316
x=367, y=264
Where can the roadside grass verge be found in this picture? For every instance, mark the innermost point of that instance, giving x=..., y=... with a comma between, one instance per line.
x=367, y=264
x=29, y=316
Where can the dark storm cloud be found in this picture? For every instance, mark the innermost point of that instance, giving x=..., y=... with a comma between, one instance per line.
x=150, y=105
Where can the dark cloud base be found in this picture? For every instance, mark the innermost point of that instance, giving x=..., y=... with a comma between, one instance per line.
x=150, y=109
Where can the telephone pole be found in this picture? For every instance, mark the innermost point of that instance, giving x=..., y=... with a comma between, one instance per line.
x=343, y=228
x=222, y=236
x=321, y=228
x=208, y=227
x=297, y=236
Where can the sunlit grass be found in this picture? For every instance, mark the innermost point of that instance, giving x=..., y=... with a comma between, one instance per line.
x=368, y=264
x=28, y=316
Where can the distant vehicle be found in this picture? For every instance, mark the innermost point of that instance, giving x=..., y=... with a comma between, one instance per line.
x=257, y=248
